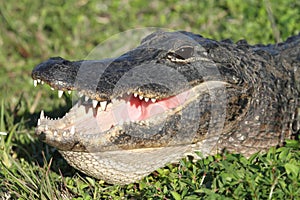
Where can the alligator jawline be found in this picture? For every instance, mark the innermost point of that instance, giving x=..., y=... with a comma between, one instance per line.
x=128, y=108
x=84, y=117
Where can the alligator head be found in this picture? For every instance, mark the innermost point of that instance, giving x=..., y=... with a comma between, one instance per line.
x=174, y=94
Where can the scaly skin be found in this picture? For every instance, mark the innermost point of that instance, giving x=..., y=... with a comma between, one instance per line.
x=175, y=94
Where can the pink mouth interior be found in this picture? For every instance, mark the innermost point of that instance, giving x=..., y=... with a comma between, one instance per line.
x=135, y=109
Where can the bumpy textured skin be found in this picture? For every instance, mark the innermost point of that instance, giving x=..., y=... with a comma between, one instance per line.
x=257, y=107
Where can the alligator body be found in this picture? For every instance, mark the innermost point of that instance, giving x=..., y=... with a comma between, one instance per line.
x=175, y=94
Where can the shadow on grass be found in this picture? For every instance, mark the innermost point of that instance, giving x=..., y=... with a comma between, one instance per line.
x=28, y=146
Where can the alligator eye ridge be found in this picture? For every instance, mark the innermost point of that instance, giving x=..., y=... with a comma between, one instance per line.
x=184, y=52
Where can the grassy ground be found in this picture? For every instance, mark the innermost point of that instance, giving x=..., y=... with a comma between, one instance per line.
x=32, y=31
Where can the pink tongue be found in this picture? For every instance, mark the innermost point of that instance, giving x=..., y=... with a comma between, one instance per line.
x=140, y=110
x=136, y=109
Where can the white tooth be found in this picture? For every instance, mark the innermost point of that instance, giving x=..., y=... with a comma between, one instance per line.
x=146, y=99
x=60, y=93
x=39, y=122
x=35, y=83
x=109, y=105
x=95, y=102
x=52, y=88
x=114, y=101
x=135, y=94
x=153, y=100
x=42, y=82
x=38, y=80
x=86, y=98
x=128, y=93
x=103, y=105
x=69, y=91
x=55, y=133
x=141, y=97
x=46, y=128
x=64, y=133
x=72, y=131
x=42, y=115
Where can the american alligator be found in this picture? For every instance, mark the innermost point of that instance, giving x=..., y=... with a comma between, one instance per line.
x=175, y=94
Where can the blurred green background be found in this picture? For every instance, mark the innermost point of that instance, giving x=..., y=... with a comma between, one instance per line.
x=33, y=31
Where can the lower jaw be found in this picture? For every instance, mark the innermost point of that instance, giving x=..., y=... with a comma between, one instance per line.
x=124, y=166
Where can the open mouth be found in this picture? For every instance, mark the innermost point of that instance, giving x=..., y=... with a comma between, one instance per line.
x=91, y=116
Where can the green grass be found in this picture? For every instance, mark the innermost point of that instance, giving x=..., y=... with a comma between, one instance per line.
x=32, y=31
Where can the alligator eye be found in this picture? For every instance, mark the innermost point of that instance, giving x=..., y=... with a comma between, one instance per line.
x=184, y=52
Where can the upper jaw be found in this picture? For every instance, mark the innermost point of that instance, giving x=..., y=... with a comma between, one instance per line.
x=99, y=80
